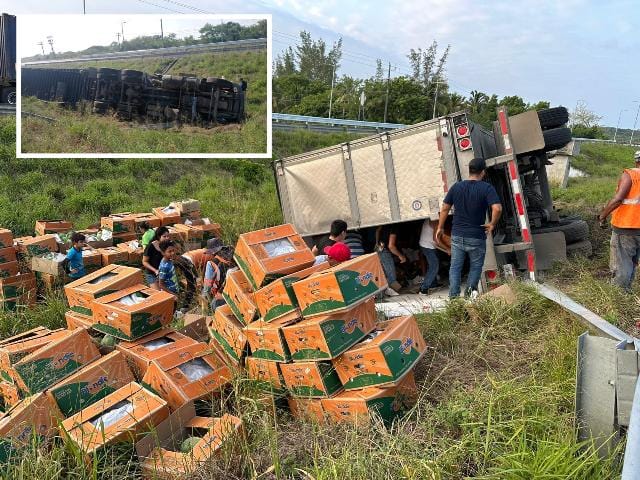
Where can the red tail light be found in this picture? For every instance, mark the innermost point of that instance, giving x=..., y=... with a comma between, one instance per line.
x=462, y=130
x=464, y=144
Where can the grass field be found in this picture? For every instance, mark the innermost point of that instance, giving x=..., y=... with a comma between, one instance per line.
x=80, y=131
x=496, y=386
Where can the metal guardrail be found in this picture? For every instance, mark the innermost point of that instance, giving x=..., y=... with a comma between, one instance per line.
x=631, y=466
x=290, y=118
x=235, y=46
x=6, y=109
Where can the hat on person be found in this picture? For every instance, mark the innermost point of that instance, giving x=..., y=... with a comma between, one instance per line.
x=214, y=245
x=340, y=252
x=636, y=156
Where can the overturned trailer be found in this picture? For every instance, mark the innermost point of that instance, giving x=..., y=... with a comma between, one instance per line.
x=7, y=58
x=136, y=95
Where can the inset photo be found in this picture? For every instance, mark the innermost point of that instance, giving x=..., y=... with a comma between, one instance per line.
x=144, y=86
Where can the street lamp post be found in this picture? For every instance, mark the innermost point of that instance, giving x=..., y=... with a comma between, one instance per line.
x=122, y=29
x=333, y=75
x=615, y=134
x=635, y=122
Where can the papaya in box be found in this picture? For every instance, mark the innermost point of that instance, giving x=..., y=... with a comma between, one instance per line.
x=278, y=298
x=55, y=361
x=309, y=409
x=17, y=285
x=34, y=415
x=341, y=286
x=267, y=341
x=9, y=269
x=91, y=383
x=167, y=215
x=357, y=406
x=119, y=417
x=77, y=320
x=140, y=353
x=189, y=233
x=111, y=255
x=38, y=246
x=239, y=296
x=82, y=292
x=6, y=238
x=326, y=336
x=266, y=375
x=43, y=227
x=384, y=356
x=7, y=254
x=133, y=312
x=189, y=373
x=119, y=223
x=149, y=218
x=265, y=255
x=311, y=379
x=228, y=332
x=160, y=452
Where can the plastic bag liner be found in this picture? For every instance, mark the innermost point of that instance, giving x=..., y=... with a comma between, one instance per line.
x=86, y=253
x=275, y=248
x=169, y=209
x=371, y=336
x=196, y=369
x=157, y=343
x=133, y=299
x=103, y=278
x=113, y=414
x=105, y=234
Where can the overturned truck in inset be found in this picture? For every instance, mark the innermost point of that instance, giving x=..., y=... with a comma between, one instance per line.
x=136, y=95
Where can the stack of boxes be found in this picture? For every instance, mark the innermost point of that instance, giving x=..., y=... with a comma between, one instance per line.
x=16, y=288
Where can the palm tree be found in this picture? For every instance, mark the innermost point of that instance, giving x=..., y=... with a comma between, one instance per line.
x=477, y=100
x=453, y=102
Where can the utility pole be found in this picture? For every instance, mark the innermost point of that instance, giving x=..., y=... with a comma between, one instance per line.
x=333, y=74
x=618, y=124
x=41, y=46
x=161, y=30
x=386, y=101
x=84, y=7
x=118, y=36
x=122, y=27
x=435, y=100
x=50, y=40
x=635, y=122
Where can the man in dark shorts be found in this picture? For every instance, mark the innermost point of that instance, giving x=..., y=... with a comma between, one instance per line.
x=471, y=199
x=337, y=233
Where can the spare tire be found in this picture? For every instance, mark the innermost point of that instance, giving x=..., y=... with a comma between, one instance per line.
x=553, y=117
x=584, y=249
x=574, y=230
x=556, y=138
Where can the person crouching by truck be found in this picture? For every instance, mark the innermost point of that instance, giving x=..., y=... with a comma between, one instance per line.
x=152, y=257
x=215, y=274
x=337, y=233
x=386, y=247
x=625, y=225
x=334, y=254
x=471, y=199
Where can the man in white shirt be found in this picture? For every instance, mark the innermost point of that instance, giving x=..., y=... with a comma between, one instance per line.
x=428, y=248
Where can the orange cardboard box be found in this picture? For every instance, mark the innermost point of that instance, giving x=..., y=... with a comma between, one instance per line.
x=33, y=415
x=341, y=286
x=7, y=254
x=6, y=238
x=191, y=216
x=40, y=245
x=82, y=292
x=176, y=234
x=123, y=238
x=134, y=252
x=209, y=230
x=119, y=417
x=10, y=394
x=239, y=296
x=111, y=255
x=55, y=361
x=267, y=341
x=26, y=300
x=51, y=282
x=384, y=356
x=356, y=406
x=150, y=218
x=133, y=312
x=190, y=373
x=119, y=223
x=326, y=336
x=77, y=320
x=14, y=348
x=277, y=298
x=90, y=384
x=228, y=332
x=309, y=409
x=9, y=269
x=186, y=206
x=159, y=452
x=167, y=215
x=44, y=227
x=266, y=375
x=189, y=233
x=92, y=259
x=17, y=285
x=265, y=255
x=140, y=353
x=195, y=326
x=311, y=379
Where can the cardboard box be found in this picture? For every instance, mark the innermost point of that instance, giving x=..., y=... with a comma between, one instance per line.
x=78, y=320
x=189, y=233
x=133, y=312
x=140, y=353
x=265, y=255
x=177, y=235
x=51, y=264
x=92, y=260
x=311, y=379
x=55, y=361
x=384, y=356
x=26, y=300
x=13, y=349
x=10, y=394
x=265, y=375
x=89, y=233
x=9, y=269
x=356, y=406
x=167, y=215
x=38, y=246
x=195, y=215
x=7, y=254
x=153, y=221
x=326, y=336
x=189, y=373
x=123, y=238
x=82, y=292
x=342, y=286
x=277, y=298
x=209, y=230
x=159, y=452
x=267, y=341
x=119, y=223
x=134, y=252
x=186, y=206
x=51, y=282
x=239, y=296
x=44, y=227
x=309, y=409
x=195, y=326
x=6, y=238
x=91, y=383
x=33, y=415
x=228, y=332
x=113, y=255
x=139, y=411
x=17, y=285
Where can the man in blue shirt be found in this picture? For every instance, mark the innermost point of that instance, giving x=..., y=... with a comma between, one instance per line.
x=74, y=256
x=471, y=200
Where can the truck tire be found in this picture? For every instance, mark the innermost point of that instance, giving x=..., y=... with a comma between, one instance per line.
x=583, y=249
x=9, y=96
x=574, y=230
x=553, y=117
x=556, y=138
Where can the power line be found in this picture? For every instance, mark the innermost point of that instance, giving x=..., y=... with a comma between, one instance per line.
x=159, y=6
x=184, y=5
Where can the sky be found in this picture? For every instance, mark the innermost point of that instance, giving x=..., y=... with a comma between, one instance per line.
x=561, y=51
